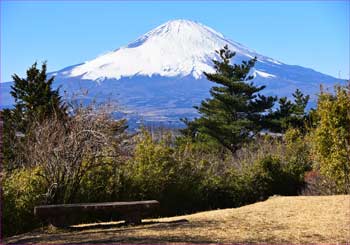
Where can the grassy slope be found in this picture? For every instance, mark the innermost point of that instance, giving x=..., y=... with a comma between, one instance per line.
x=318, y=219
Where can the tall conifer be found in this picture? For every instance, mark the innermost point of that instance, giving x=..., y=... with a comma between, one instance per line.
x=236, y=111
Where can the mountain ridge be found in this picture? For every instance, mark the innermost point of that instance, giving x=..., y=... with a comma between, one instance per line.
x=159, y=76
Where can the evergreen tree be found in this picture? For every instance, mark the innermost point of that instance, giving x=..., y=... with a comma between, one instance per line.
x=235, y=113
x=290, y=114
x=34, y=97
x=300, y=103
x=35, y=100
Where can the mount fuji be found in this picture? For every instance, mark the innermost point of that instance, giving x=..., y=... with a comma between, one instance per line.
x=158, y=78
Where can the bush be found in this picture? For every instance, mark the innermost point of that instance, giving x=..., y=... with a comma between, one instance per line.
x=331, y=137
x=22, y=190
x=191, y=176
x=185, y=178
x=151, y=167
x=216, y=182
x=269, y=177
x=67, y=150
x=154, y=173
x=297, y=158
x=101, y=184
x=56, y=155
x=317, y=185
x=274, y=166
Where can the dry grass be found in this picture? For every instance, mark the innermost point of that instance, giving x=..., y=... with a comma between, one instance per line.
x=302, y=219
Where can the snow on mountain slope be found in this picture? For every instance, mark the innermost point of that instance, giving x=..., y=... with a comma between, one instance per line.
x=159, y=77
x=176, y=48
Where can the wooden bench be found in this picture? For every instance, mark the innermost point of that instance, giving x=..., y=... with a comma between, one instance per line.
x=62, y=215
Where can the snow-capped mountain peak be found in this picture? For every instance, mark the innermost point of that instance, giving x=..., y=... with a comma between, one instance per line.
x=159, y=77
x=181, y=30
x=176, y=48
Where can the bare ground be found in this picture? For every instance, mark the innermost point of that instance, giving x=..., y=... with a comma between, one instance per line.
x=301, y=219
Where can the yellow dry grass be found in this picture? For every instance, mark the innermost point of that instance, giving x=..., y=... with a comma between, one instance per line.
x=297, y=220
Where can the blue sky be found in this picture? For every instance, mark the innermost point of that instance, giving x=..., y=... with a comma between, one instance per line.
x=307, y=33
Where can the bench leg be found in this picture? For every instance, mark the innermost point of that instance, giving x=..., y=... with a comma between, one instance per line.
x=59, y=222
x=64, y=221
x=133, y=220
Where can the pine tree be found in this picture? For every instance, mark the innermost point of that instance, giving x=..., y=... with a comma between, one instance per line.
x=290, y=114
x=235, y=113
x=300, y=103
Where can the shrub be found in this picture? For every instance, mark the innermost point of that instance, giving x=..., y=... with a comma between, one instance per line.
x=151, y=167
x=270, y=176
x=195, y=175
x=154, y=173
x=67, y=150
x=215, y=181
x=274, y=166
x=57, y=155
x=297, y=157
x=317, y=185
x=101, y=184
x=22, y=190
x=184, y=178
x=331, y=137
x=264, y=178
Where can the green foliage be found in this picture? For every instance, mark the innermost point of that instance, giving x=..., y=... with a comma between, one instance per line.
x=291, y=114
x=217, y=181
x=10, y=138
x=153, y=165
x=192, y=176
x=297, y=155
x=265, y=177
x=331, y=137
x=270, y=176
x=188, y=176
x=22, y=190
x=154, y=173
x=101, y=184
x=274, y=166
x=184, y=177
x=235, y=113
x=300, y=103
x=34, y=97
x=35, y=101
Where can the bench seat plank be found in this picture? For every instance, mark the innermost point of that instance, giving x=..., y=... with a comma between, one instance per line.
x=68, y=214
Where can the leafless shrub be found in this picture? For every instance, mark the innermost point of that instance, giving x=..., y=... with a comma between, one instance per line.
x=259, y=149
x=318, y=185
x=66, y=149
